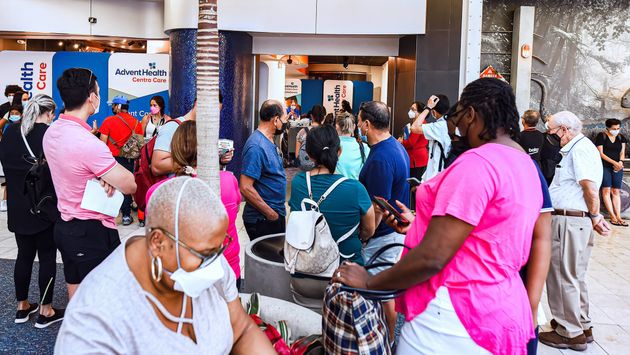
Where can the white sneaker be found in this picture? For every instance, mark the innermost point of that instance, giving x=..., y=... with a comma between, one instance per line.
x=3, y=206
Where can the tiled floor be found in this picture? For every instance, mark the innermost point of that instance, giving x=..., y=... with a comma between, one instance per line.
x=608, y=279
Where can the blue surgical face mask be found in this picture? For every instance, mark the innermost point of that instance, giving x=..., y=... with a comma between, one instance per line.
x=14, y=118
x=24, y=103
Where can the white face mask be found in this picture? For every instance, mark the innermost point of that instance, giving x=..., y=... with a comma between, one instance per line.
x=457, y=132
x=10, y=98
x=292, y=107
x=193, y=283
x=411, y=114
x=98, y=105
x=614, y=132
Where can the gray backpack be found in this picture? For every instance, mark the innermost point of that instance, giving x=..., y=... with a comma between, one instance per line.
x=309, y=247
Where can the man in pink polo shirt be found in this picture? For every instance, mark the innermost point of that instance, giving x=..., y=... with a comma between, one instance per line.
x=75, y=156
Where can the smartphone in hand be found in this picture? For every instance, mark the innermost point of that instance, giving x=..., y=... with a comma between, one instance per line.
x=413, y=181
x=385, y=206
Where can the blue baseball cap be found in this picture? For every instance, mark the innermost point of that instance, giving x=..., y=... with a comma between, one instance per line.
x=119, y=100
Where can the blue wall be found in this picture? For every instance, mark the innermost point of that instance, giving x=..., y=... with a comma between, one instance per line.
x=312, y=94
x=362, y=91
x=97, y=62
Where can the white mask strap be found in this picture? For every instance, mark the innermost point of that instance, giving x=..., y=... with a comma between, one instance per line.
x=165, y=312
x=179, y=200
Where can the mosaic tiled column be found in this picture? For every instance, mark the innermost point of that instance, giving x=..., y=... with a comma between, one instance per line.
x=183, y=79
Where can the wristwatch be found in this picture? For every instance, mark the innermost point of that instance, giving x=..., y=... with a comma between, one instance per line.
x=593, y=216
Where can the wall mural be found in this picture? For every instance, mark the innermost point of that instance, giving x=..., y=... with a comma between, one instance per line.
x=581, y=59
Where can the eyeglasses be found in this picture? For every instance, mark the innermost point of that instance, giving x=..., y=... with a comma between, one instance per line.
x=205, y=259
x=451, y=116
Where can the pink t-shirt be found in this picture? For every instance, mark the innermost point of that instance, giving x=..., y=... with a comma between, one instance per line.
x=490, y=188
x=231, y=198
x=75, y=156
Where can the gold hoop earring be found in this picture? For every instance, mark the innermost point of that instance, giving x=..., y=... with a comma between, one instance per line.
x=156, y=263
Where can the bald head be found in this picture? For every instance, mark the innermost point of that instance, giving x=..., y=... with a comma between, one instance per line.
x=270, y=109
x=201, y=211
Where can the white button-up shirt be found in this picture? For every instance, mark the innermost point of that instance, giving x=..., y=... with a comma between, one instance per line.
x=436, y=132
x=580, y=161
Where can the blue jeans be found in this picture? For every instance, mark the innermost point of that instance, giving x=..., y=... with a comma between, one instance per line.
x=389, y=256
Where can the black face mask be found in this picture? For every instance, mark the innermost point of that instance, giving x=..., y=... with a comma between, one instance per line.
x=554, y=139
x=114, y=111
x=278, y=132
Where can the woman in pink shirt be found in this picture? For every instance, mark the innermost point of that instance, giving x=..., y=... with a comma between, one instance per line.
x=184, y=155
x=470, y=237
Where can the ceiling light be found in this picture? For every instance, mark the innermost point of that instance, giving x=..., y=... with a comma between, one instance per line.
x=21, y=41
x=143, y=46
x=124, y=41
x=76, y=46
x=60, y=43
x=112, y=52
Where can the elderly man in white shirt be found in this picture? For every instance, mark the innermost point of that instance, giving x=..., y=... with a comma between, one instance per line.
x=575, y=197
x=436, y=133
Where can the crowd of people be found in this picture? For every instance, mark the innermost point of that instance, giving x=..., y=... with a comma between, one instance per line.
x=479, y=250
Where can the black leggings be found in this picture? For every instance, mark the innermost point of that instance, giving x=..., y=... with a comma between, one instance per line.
x=43, y=244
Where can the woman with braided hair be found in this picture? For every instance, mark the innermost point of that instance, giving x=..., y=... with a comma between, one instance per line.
x=471, y=235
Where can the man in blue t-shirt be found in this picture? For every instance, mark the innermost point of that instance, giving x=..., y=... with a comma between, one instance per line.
x=263, y=182
x=384, y=174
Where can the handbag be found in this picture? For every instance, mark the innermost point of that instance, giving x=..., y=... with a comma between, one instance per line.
x=353, y=319
x=309, y=247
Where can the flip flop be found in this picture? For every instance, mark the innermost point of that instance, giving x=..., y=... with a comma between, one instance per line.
x=615, y=223
x=623, y=223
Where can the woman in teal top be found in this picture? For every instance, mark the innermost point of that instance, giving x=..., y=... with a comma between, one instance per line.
x=348, y=205
x=353, y=152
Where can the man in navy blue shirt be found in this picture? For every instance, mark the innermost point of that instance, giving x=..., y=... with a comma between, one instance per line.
x=384, y=174
x=263, y=182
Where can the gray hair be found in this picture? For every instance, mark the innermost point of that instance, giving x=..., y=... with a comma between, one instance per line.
x=568, y=120
x=37, y=106
x=345, y=124
x=199, y=204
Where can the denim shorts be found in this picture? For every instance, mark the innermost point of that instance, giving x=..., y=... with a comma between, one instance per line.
x=390, y=255
x=611, y=178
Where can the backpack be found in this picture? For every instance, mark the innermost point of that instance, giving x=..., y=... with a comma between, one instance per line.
x=442, y=164
x=133, y=145
x=142, y=172
x=309, y=247
x=304, y=161
x=39, y=188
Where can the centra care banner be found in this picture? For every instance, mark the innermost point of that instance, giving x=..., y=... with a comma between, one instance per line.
x=32, y=71
x=336, y=91
x=136, y=76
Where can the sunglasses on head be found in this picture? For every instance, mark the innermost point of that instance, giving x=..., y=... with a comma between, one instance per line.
x=205, y=259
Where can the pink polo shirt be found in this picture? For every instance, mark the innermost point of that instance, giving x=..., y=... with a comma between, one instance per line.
x=491, y=188
x=75, y=156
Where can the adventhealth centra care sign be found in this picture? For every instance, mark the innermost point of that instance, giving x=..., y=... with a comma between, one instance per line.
x=137, y=75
